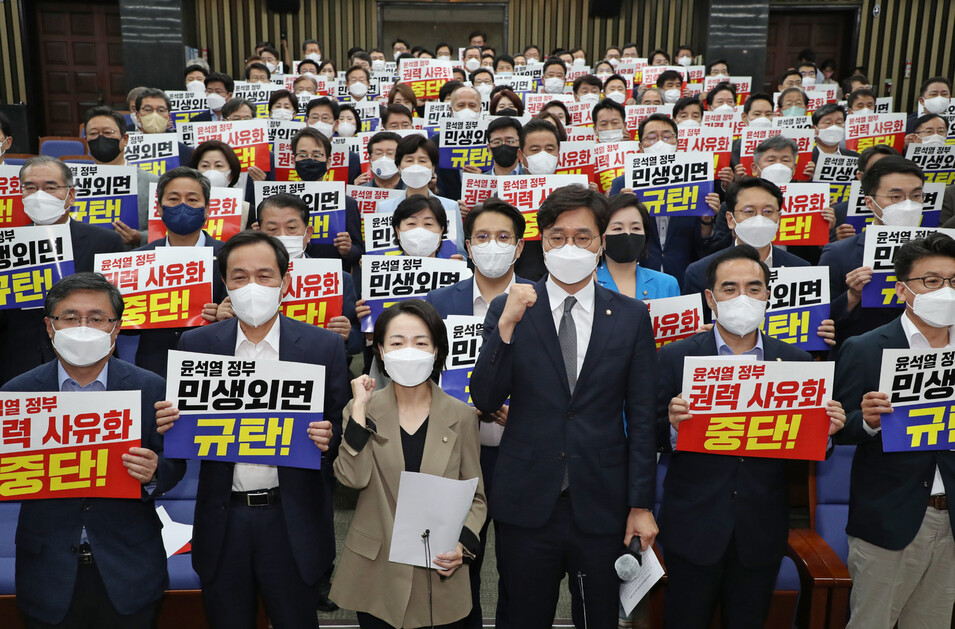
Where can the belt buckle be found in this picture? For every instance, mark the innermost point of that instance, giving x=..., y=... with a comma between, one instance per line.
x=258, y=499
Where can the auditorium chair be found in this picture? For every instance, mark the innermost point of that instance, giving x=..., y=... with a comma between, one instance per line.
x=57, y=145
x=76, y=159
x=16, y=159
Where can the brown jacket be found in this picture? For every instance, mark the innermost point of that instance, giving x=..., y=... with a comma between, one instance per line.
x=365, y=580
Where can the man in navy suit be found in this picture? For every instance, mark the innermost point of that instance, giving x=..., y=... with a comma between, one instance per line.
x=265, y=530
x=888, y=182
x=493, y=232
x=724, y=520
x=576, y=468
x=94, y=562
x=24, y=343
x=901, y=549
x=183, y=195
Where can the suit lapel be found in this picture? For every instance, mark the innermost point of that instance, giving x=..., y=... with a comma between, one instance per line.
x=288, y=340
x=439, y=442
x=895, y=335
x=117, y=376
x=383, y=410
x=463, y=294
x=228, y=334
x=541, y=319
x=47, y=377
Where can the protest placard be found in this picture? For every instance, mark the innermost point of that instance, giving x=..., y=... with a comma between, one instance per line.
x=105, y=194
x=673, y=184
x=798, y=304
x=675, y=318
x=32, y=260
x=921, y=389
x=464, y=343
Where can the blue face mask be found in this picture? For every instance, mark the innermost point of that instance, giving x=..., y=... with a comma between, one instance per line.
x=794, y=111
x=183, y=219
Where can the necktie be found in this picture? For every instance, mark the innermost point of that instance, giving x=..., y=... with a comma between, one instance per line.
x=567, y=336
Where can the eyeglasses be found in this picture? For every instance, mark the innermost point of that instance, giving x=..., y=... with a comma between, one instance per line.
x=509, y=141
x=766, y=212
x=898, y=197
x=239, y=117
x=483, y=239
x=558, y=240
x=934, y=282
x=930, y=132
x=159, y=110
x=100, y=322
x=756, y=292
x=669, y=138
x=49, y=188
x=318, y=156
x=92, y=134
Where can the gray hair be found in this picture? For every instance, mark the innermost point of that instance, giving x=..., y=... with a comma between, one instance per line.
x=198, y=61
x=152, y=92
x=775, y=143
x=650, y=89
x=187, y=173
x=46, y=160
x=82, y=281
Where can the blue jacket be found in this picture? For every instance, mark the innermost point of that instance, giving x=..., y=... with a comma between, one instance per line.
x=650, y=284
x=306, y=499
x=611, y=465
x=125, y=535
x=458, y=299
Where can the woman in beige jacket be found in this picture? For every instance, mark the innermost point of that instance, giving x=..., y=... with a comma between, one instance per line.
x=410, y=425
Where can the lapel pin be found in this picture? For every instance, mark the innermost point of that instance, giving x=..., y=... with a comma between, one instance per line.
x=444, y=439
x=609, y=313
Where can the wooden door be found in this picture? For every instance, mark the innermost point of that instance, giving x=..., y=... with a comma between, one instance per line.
x=80, y=50
x=827, y=33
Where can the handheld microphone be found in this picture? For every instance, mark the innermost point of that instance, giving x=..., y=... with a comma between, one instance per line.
x=628, y=564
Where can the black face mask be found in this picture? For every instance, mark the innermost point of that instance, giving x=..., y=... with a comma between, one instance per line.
x=504, y=155
x=104, y=149
x=310, y=169
x=625, y=248
x=507, y=112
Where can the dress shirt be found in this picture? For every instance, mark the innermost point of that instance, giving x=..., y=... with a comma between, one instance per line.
x=490, y=431
x=582, y=312
x=201, y=242
x=480, y=304
x=253, y=476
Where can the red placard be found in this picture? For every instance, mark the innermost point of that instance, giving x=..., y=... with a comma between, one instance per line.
x=11, y=201
x=315, y=293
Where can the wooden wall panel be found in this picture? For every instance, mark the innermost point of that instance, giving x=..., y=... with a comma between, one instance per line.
x=12, y=73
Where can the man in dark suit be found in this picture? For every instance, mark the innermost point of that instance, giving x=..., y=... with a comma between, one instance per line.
x=280, y=548
x=183, y=195
x=219, y=89
x=886, y=182
x=24, y=343
x=901, y=549
x=94, y=562
x=574, y=479
x=493, y=232
x=724, y=520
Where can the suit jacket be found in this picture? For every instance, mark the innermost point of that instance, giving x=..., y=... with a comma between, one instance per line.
x=306, y=501
x=365, y=580
x=151, y=352
x=24, y=343
x=650, y=284
x=202, y=116
x=888, y=491
x=684, y=242
x=124, y=534
x=841, y=257
x=458, y=299
x=550, y=429
x=710, y=499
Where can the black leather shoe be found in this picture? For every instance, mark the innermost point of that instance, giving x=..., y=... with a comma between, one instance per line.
x=324, y=603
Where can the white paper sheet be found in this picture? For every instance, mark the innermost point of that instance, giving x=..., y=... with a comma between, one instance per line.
x=429, y=503
x=633, y=591
x=175, y=535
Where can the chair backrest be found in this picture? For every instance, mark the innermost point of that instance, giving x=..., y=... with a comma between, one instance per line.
x=9, y=514
x=76, y=159
x=16, y=159
x=830, y=508
x=62, y=145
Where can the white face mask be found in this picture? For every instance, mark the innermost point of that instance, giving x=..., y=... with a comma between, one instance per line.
x=294, y=245
x=493, y=259
x=465, y=114
x=671, y=96
x=82, y=346
x=761, y=123
x=741, y=314
x=283, y=114
x=444, y=57
x=591, y=99
x=808, y=80
x=908, y=213
x=358, y=89
x=933, y=140
x=408, y=366
x=416, y=176
x=271, y=66
x=617, y=97
x=304, y=95
x=757, y=231
x=724, y=109
x=937, y=105
x=554, y=85
x=610, y=135
x=570, y=264
x=346, y=129
x=472, y=64
x=314, y=56
x=865, y=111
x=936, y=308
x=384, y=167
x=43, y=208
x=419, y=242
x=324, y=128
x=215, y=101
x=685, y=61
x=255, y=304
x=542, y=163
x=722, y=78
x=377, y=65
x=688, y=123
x=776, y=173
x=484, y=89
x=217, y=178
x=196, y=87
x=613, y=61
x=579, y=61
x=831, y=136
x=660, y=148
